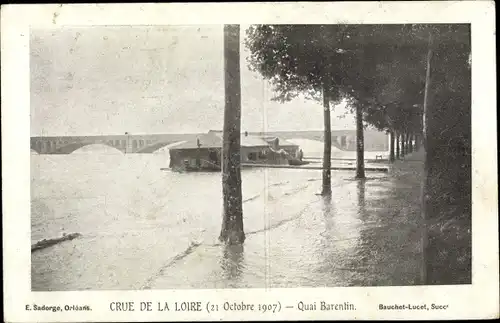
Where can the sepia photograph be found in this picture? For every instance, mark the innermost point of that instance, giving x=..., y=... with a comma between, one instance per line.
x=249, y=156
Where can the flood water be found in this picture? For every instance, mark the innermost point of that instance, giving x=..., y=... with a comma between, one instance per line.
x=146, y=228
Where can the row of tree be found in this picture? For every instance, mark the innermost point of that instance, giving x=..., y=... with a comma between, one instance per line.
x=379, y=69
x=402, y=79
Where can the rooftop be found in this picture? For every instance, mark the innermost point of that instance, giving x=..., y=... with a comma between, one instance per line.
x=213, y=139
x=208, y=140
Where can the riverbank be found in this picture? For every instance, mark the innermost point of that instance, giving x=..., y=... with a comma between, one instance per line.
x=368, y=234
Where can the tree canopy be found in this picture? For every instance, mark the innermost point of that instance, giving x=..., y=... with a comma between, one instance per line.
x=378, y=66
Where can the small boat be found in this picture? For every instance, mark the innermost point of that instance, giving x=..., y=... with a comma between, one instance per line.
x=45, y=243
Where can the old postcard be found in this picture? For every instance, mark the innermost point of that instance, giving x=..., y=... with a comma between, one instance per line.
x=249, y=161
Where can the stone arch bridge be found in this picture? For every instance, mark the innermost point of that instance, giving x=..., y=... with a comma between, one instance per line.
x=342, y=139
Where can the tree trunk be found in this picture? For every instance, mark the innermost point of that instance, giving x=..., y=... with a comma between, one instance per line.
x=391, y=154
x=426, y=206
x=360, y=149
x=407, y=151
x=398, y=154
x=327, y=152
x=403, y=146
x=447, y=185
x=410, y=143
x=417, y=142
x=406, y=143
x=232, y=223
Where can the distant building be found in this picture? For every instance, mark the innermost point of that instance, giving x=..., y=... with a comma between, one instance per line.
x=205, y=153
x=374, y=140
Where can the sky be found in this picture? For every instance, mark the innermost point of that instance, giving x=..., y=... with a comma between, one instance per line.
x=150, y=79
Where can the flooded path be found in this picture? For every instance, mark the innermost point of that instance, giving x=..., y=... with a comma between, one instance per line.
x=367, y=234
x=143, y=228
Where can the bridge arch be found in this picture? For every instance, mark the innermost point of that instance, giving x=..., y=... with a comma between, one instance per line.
x=157, y=146
x=70, y=148
x=37, y=146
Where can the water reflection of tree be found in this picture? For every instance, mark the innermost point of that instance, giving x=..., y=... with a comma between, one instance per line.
x=340, y=246
x=327, y=205
x=328, y=211
x=365, y=252
x=232, y=262
x=361, y=188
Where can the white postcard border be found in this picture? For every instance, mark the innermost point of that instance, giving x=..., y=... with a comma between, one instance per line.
x=479, y=300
